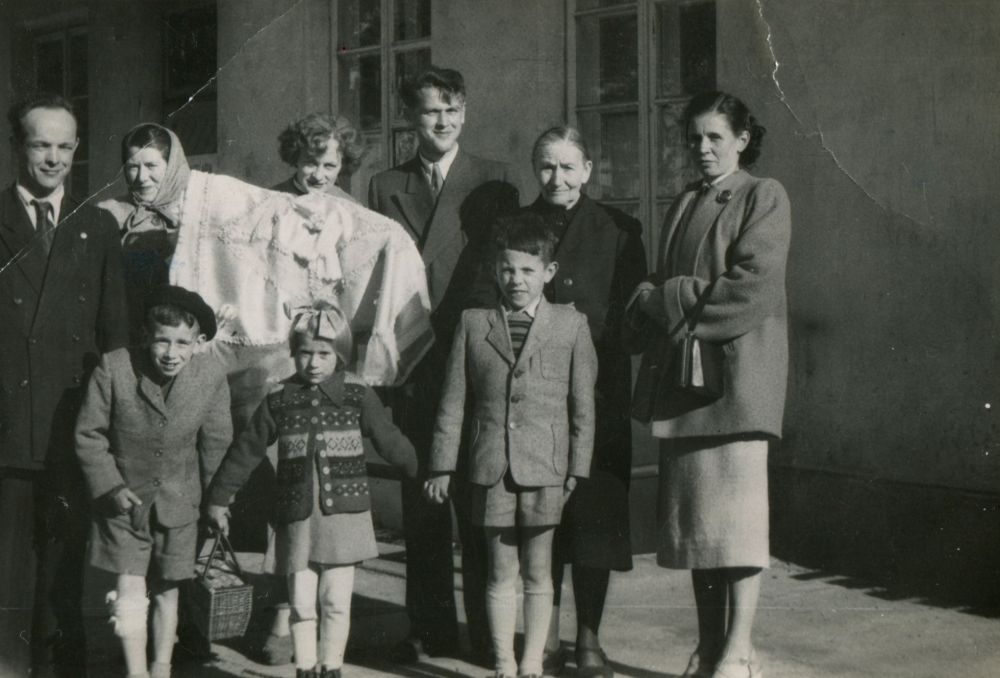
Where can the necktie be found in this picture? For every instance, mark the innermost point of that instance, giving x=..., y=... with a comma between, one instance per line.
x=437, y=179
x=44, y=224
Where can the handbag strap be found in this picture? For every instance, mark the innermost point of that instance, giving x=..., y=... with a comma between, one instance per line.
x=222, y=541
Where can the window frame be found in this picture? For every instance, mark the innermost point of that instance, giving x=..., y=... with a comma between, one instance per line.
x=387, y=49
x=647, y=104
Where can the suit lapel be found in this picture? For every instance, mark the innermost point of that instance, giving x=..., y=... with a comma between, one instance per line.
x=537, y=334
x=148, y=390
x=414, y=200
x=442, y=231
x=710, y=208
x=18, y=236
x=68, y=246
x=499, y=337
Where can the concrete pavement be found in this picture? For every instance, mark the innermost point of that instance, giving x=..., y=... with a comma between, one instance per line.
x=810, y=625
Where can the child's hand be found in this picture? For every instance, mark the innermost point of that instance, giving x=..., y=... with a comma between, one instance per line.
x=436, y=489
x=569, y=486
x=124, y=500
x=218, y=518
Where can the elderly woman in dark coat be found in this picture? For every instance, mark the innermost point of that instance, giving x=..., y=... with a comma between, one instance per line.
x=601, y=260
x=320, y=147
x=712, y=381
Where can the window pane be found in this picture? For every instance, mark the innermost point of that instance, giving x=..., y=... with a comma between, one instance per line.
x=413, y=19
x=594, y=4
x=404, y=145
x=361, y=90
x=49, y=65
x=613, y=139
x=607, y=59
x=78, y=65
x=674, y=168
x=686, y=48
x=408, y=65
x=190, y=50
x=360, y=23
x=196, y=124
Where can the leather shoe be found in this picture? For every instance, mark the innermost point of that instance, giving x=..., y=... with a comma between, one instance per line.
x=586, y=667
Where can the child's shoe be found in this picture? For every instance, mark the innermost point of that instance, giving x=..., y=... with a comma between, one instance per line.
x=307, y=673
x=329, y=673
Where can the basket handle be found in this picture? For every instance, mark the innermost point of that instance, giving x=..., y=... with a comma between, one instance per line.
x=221, y=540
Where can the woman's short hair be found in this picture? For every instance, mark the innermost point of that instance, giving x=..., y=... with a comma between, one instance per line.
x=448, y=81
x=556, y=134
x=738, y=116
x=311, y=135
x=525, y=232
x=144, y=136
x=343, y=341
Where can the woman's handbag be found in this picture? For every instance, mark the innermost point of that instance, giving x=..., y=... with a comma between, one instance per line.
x=700, y=367
x=220, y=598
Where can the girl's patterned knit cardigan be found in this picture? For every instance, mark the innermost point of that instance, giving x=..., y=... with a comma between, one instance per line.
x=319, y=430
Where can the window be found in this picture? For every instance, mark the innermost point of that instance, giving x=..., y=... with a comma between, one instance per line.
x=190, y=63
x=381, y=43
x=61, y=67
x=636, y=66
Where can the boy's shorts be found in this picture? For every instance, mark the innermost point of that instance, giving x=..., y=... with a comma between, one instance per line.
x=508, y=504
x=125, y=544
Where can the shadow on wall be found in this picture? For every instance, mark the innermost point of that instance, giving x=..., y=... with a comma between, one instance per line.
x=938, y=546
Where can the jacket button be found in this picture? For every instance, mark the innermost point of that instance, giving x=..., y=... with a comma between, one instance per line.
x=77, y=378
x=156, y=481
x=319, y=436
x=568, y=282
x=82, y=298
x=515, y=399
x=24, y=383
x=321, y=453
x=32, y=341
x=518, y=374
x=326, y=470
x=327, y=486
x=158, y=453
x=76, y=337
x=328, y=502
x=512, y=424
x=314, y=420
x=18, y=301
x=314, y=403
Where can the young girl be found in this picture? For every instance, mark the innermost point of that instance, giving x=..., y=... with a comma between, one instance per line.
x=322, y=511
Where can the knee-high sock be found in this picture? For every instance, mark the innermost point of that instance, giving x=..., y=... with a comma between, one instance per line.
x=537, y=614
x=501, y=610
x=336, y=585
x=302, y=587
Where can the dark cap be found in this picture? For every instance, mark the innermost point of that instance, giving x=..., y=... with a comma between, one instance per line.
x=186, y=300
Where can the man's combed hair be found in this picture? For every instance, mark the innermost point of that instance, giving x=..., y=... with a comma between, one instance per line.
x=525, y=232
x=16, y=113
x=448, y=81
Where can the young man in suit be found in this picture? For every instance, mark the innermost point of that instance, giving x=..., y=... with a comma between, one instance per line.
x=447, y=199
x=62, y=304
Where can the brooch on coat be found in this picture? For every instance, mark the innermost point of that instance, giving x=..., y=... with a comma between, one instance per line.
x=724, y=197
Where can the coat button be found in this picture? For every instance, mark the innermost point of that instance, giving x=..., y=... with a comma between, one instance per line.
x=327, y=486
x=32, y=341
x=326, y=470
x=322, y=453
x=518, y=374
x=314, y=403
x=18, y=301
x=515, y=399
x=24, y=383
x=81, y=298
x=568, y=282
x=512, y=424
x=156, y=481
x=314, y=420
x=319, y=436
x=328, y=502
x=76, y=337
x=158, y=453
x=77, y=378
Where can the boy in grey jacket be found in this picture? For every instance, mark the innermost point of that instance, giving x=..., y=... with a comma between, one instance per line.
x=528, y=368
x=154, y=425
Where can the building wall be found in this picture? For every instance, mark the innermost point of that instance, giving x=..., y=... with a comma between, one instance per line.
x=882, y=125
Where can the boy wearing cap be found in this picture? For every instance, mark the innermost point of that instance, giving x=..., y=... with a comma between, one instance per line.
x=154, y=426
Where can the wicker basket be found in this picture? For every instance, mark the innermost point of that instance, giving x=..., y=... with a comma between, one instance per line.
x=220, y=598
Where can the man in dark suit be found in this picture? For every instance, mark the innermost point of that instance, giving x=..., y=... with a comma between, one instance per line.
x=62, y=303
x=447, y=199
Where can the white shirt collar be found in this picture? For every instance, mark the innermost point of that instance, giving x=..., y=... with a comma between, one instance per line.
x=444, y=163
x=531, y=309
x=54, y=198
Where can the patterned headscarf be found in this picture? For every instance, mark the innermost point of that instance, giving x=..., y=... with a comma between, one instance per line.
x=163, y=211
